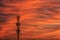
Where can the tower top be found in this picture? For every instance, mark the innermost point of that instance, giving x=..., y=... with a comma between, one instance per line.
x=18, y=16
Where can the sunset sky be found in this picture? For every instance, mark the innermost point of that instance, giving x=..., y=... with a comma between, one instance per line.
x=40, y=19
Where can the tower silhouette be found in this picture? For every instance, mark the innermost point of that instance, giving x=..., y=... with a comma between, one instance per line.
x=18, y=27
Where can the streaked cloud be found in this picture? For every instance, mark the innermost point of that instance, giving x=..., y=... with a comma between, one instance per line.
x=39, y=19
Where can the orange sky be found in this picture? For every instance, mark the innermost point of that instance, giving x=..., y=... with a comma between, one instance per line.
x=40, y=19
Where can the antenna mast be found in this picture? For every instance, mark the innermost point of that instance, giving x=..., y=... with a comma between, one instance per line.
x=18, y=27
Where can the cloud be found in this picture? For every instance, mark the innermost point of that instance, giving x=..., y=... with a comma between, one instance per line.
x=50, y=28
x=41, y=39
x=8, y=37
x=14, y=1
x=2, y=4
x=53, y=26
x=1, y=28
x=4, y=17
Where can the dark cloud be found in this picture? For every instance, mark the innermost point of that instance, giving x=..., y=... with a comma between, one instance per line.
x=52, y=2
x=46, y=9
x=41, y=39
x=4, y=17
x=2, y=4
x=11, y=1
x=8, y=37
x=14, y=1
x=54, y=8
x=44, y=16
x=33, y=39
x=51, y=27
x=55, y=2
x=45, y=28
x=47, y=12
x=21, y=0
